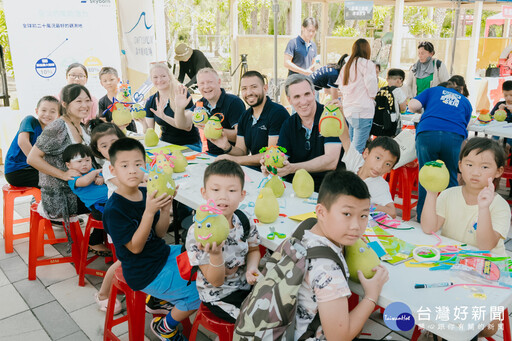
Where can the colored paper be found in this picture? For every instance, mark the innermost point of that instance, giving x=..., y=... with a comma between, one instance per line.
x=304, y=216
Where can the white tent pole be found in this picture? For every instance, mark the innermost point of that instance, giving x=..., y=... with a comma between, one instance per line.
x=396, y=46
x=161, y=41
x=473, y=46
x=296, y=17
x=454, y=42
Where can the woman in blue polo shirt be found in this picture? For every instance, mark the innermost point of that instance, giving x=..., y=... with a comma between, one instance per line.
x=442, y=127
x=161, y=106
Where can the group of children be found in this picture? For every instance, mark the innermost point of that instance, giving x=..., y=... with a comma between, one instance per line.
x=137, y=220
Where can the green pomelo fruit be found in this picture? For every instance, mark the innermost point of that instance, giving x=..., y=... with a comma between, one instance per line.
x=332, y=122
x=434, y=176
x=213, y=128
x=303, y=184
x=121, y=114
x=180, y=162
x=274, y=157
x=266, y=207
x=160, y=181
x=212, y=229
x=151, y=138
x=361, y=257
x=500, y=115
x=138, y=111
x=277, y=185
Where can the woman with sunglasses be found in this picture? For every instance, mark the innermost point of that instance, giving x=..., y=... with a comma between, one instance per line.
x=426, y=73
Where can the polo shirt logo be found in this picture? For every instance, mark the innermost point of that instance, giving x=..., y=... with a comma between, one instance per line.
x=263, y=127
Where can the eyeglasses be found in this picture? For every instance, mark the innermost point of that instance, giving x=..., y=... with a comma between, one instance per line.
x=77, y=76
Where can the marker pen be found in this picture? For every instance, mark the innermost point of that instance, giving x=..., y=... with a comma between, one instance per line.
x=433, y=285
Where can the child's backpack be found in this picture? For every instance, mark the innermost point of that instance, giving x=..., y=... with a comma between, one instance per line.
x=189, y=272
x=268, y=313
x=386, y=119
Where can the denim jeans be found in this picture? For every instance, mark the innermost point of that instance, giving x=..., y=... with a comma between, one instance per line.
x=197, y=147
x=359, y=130
x=438, y=145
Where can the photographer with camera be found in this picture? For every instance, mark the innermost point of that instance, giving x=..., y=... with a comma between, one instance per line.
x=191, y=61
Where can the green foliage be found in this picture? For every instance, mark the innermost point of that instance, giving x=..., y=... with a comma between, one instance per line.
x=4, y=41
x=245, y=7
x=379, y=14
x=419, y=22
x=343, y=31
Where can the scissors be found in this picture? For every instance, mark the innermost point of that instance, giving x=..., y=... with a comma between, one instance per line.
x=274, y=234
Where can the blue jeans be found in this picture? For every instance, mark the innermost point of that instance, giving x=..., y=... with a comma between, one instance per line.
x=359, y=130
x=197, y=147
x=438, y=145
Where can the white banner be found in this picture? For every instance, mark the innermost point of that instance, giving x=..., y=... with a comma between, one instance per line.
x=47, y=36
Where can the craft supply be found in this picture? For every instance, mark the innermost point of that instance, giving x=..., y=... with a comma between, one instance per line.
x=378, y=235
x=273, y=234
x=476, y=285
x=426, y=254
x=377, y=247
x=433, y=285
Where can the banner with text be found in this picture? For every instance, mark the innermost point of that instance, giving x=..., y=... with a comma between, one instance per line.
x=47, y=36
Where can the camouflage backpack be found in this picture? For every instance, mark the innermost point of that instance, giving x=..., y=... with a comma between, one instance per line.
x=268, y=313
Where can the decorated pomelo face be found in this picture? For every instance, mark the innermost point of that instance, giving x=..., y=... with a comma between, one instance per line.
x=163, y=161
x=331, y=121
x=484, y=116
x=434, y=176
x=500, y=115
x=121, y=113
x=360, y=256
x=200, y=115
x=158, y=180
x=125, y=92
x=210, y=224
x=213, y=128
x=274, y=157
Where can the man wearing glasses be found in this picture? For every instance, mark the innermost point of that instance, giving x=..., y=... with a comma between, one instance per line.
x=300, y=135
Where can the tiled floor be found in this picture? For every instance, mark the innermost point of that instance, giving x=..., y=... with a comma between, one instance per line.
x=54, y=307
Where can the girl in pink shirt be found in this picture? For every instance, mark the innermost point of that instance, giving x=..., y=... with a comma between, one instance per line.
x=358, y=84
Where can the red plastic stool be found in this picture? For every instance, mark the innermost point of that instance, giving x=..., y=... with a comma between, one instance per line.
x=224, y=330
x=38, y=225
x=84, y=250
x=11, y=193
x=506, y=330
x=136, y=310
x=507, y=174
x=402, y=182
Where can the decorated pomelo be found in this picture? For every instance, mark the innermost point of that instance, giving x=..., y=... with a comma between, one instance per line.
x=500, y=115
x=303, y=184
x=121, y=113
x=213, y=128
x=276, y=184
x=125, y=92
x=138, y=111
x=200, y=115
x=180, y=162
x=360, y=256
x=266, y=208
x=274, y=157
x=210, y=225
x=332, y=122
x=163, y=161
x=151, y=138
x=161, y=181
x=484, y=116
x=434, y=176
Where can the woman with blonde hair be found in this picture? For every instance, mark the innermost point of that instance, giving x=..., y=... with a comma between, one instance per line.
x=160, y=108
x=358, y=84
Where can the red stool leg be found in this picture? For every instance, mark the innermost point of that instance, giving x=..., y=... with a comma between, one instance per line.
x=83, y=254
x=506, y=326
x=136, y=313
x=110, y=322
x=8, y=221
x=416, y=334
x=33, y=244
x=406, y=187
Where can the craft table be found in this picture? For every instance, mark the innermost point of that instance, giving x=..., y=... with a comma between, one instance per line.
x=502, y=130
x=400, y=288
x=483, y=128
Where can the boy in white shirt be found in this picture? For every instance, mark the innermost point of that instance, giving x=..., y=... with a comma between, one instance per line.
x=377, y=159
x=396, y=78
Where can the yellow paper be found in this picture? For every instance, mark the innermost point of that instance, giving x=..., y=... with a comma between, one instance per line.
x=413, y=264
x=167, y=149
x=304, y=216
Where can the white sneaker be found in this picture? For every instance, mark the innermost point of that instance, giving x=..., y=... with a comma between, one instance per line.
x=103, y=304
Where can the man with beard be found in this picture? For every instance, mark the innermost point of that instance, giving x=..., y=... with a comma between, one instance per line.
x=259, y=125
x=215, y=101
x=300, y=134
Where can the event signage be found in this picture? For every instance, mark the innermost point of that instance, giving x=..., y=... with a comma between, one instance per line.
x=47, y=36
x=358, y=10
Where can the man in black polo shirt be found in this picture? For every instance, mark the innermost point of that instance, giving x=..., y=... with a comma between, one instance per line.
x=300, y=135
x=215, y=101
x=300, y=53
x=259, y=125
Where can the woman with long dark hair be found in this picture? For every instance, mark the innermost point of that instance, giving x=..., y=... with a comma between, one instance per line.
x=358, y=84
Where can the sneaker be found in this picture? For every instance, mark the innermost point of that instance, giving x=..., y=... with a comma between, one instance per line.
x=158, y=328
x=103, y=304
x=157, y=306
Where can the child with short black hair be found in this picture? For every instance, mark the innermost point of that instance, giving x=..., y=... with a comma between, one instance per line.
x=378, y=158
x=137, y=221
x=342, y=215
x=472, y=213
x=90, y=187
x=506, y=105
x=396, y=78
x=227, y=271
x=17, y=171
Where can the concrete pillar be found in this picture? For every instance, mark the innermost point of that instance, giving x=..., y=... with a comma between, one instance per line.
x=473, y=45
x=296, y=17
x=160, y=33
x=396, y=47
